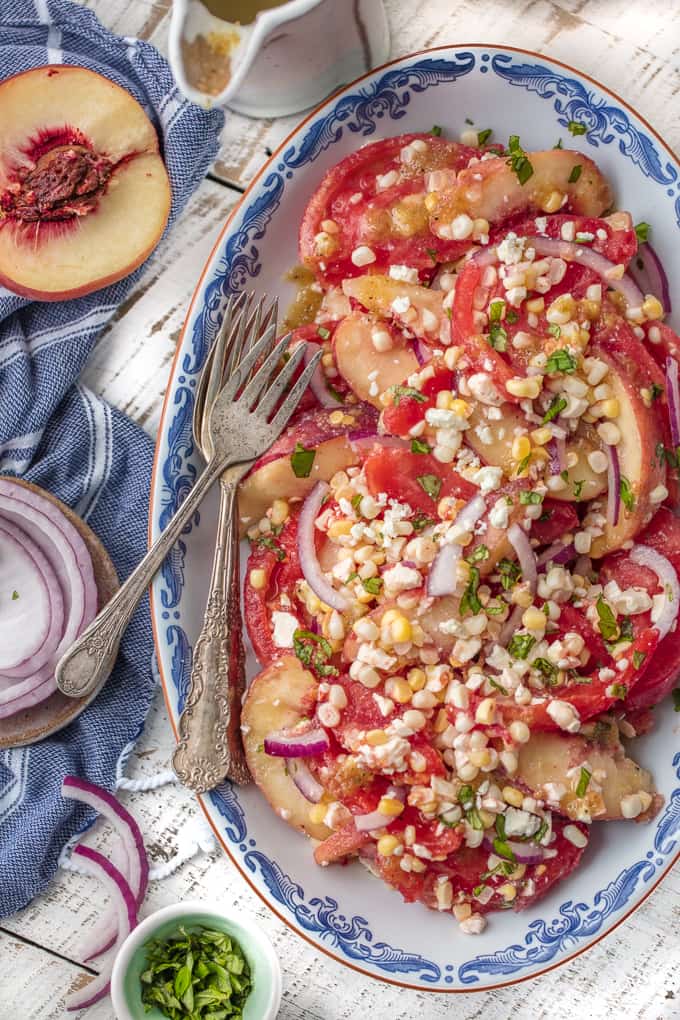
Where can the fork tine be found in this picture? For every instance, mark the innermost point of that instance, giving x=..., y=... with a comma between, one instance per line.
x=273, y=394
x=205, y=389
x=280, y=419
x=264, y=373
x=214, y=377
x=241, y=339
x=243, y=369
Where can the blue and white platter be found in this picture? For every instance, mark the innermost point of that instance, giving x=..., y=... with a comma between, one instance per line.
x=344, y=911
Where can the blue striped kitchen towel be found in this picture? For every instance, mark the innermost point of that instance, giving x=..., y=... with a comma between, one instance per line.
x=58, y=434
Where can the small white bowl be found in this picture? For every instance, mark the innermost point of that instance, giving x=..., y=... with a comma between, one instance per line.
x=265, y=998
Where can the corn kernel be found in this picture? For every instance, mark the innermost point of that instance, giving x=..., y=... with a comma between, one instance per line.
x=401, y=630
x=462, y=911
x=417, y=679
x=541, y=436
x=258, y=579
x=526, y=388
x=397, y=689
x=460, y=407
x=317, y=813
x=386, y=845
x=486, y=818
x=652, y=307
x=339, y=527
x=519, y=731
x=479, y=758
x=553, y=202
x=335, y=417
x=280, y=511
x=534, y=619
x=511, y=795
x=521, y=447
x=486, y=713
x=417, y=865
x=431, y=201
x=535, y=305
x=522, y=597
x=611, y=408
x=390, y=807
x=376, y=737
x=444, y=400
x=441, y=722
x=507, y=891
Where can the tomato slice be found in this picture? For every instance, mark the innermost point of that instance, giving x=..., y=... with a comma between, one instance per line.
x=414, y=478
x=400, y=417
x=375, y=199
x=279, y=560
x=558, y=517
x=341, y=844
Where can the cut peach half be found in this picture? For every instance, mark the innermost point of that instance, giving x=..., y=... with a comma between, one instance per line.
x=84, y=193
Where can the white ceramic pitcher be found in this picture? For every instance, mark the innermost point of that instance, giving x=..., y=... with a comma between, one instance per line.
x=291, y=57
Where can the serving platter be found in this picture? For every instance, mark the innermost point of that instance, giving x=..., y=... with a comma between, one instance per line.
x=343, y=910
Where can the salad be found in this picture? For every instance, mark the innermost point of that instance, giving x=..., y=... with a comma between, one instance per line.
x=463, y=584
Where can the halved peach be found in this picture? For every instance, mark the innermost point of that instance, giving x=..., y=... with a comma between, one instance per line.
x=367, y=371
x=273, y=474
x=84, y=193
x=549, y=757
x=276, y=700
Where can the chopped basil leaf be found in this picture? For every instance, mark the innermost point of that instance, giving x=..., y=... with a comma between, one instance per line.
x=484, y=136
x=510, y=573
x=406, y=391
x=473, y=818
x=15, y=596
x=498, y=687
x=498, y=338
x=420, y=446
x=430, y=484
x=642, y=231
x=313, y=651
x=494, y=608
x=436, y=130
x=530, y=498
x=468, y=120
x=356, y=501
x=561, y=361
x=564, y=475
x=578, y=488
x=557, y=405
x=433, y=253
x=478, y=890
x=627, y=497
x=656, y=391
x=547, y=669
x=479, y=553
x=336, y=394
x=676, y=699
x=511, y=317
x=626, y=629
x=575, y=173
x=323, y=332
x=267, y=542
x=470, y=600
x=638, y=659
x=520, y=645
x=301, y=461
x=500, y=826
x=607, y=621
x=619, y=691
x=518, y=160
x=421, y=521
x=523, y=464
x=496, y=310
x=372, y=585
x=503, y=849
x=558, y=144
x=583, y=781
x=538, y=836
x=555, y=330
x=575, y=128
x=466, y=795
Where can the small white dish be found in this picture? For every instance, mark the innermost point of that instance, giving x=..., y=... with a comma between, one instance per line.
x=344, y=911
x=265, y=998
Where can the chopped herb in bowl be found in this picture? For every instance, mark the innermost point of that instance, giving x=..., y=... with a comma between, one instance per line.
x=200, y=974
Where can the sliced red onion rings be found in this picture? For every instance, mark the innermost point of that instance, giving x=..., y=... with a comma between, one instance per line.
x=317, y=383
x=585, y=256
x=309, y=561
x=673, y=395
x=668, y=579
x=304, y=780
x=376, y=819
x=443, y=578
x=297, y=745
x=649, y=275
x=27, y=613
x=558, y=552
x=519, y=540
x=613, y=486
x=120, y=892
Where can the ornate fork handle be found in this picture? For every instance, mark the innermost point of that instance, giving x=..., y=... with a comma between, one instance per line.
x=91, y=658
x=209, y=746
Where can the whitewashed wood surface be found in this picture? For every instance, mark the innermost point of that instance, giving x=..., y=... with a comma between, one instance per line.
x=632, y=46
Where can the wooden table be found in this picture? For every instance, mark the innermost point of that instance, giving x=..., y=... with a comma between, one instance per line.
x=634, y=48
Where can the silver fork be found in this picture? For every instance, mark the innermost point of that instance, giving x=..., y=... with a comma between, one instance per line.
x=242, y=426
x=217, y=682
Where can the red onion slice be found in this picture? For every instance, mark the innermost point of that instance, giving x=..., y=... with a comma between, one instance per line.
x=26, y=614
x=26, y=693
x=304, y=780
x=309, y=561
x=585, y=256
x=649, y=275
x=376, y=819
x=443, y=577
x=317, y=383
x=297, y=745
x=558, y=552
x=613, y=486
x=668, y=579
x=120, y=892
x=45, y=612
x=510, y=626
x=673, y=395
x=519, y=540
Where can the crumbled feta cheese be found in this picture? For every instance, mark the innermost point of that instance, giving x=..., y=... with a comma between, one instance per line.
x=511, y=249
x=400, y=578
x=284, y=627
x=488, y=478
x=406, y=274
x=520, y=823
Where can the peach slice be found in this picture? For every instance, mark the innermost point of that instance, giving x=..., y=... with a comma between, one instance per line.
x=276, y=700
x=84, y=194
x=370, y=372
